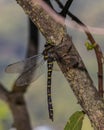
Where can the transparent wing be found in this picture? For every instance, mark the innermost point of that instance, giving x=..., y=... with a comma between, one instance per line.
x=30, y=69
x=31, y=75
x=34, y=73
x=23, y=65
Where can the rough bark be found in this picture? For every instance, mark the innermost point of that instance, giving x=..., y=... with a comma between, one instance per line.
x=81, y=83
x=18, y=108
x=72, y=67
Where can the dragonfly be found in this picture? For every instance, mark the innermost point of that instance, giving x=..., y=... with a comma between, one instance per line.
x=31, y=69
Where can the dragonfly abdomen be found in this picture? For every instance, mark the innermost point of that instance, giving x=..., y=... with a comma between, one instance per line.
x=49, y=99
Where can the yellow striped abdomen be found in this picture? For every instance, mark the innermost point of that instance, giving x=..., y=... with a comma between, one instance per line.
x=49, y=99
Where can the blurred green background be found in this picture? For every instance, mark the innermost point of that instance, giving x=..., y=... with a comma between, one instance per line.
x=13, y=45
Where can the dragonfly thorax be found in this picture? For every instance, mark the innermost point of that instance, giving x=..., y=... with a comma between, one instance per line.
x=49, y=52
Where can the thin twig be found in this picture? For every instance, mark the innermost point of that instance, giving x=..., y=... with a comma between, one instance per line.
x=66, y=8
x=98, y=52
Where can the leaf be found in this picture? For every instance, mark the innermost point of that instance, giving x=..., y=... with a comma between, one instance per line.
x=90, y=46
x=75, y=121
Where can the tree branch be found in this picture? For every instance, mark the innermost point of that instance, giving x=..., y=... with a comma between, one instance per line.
x=18, y=108
x=66, y=8
x=98, y=52
x=68, y=58
x=3, y=93
x=54, y=27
